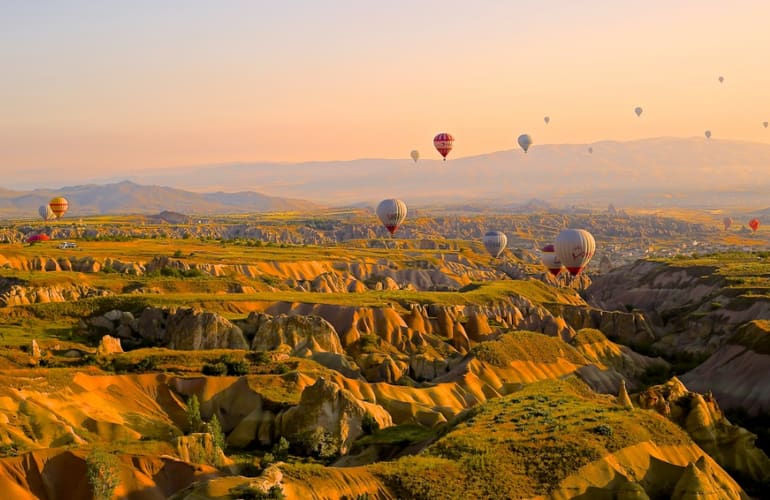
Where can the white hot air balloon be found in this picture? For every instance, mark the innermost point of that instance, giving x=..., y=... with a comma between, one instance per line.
x=575, y=247
x=525, y=141
x=551, y=260
x=547, y=120
x=415, y=155
x=707, y=134
x=638, y=110
x=495, y=242
x=392, y=213
x=45, y=212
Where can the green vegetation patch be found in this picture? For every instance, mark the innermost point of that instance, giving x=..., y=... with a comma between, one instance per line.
x=754, y=335
x=524, y=444
x=526, y=346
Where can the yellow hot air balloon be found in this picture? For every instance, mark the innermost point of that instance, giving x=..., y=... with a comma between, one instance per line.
x=59, y=206
x=415, y=155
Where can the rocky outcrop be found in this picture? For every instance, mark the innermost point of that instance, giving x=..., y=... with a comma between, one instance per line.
x=108, y=345
x=193, y=329
x=305, y=335
x=17, y=294
x=731, y=446
x=333, y=410
x=738, y=373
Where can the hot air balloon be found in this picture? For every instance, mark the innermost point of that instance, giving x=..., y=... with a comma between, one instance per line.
x=58, y=206
x=551, y=260
x=754, y=225
x=764, y=124
x=392, y=213
x=35, y=238
x=495, y=242
x=45, y=212
x=525, y=141
x=727, y=221
x=575, y=247
x=415, y=155
x=443, y=143
x=638, y=110
x=707, y=134
x=590, y=150
x=721, y=79
x=547, y=120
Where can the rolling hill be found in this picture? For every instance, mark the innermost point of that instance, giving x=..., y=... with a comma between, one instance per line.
x=128, y=197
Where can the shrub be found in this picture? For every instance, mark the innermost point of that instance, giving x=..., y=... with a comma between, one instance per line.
x=178, y=254
x=369, y=424
x=318, y=443
x=214, y=369
x=280, y=449
x=236, y=367
x=247, y=492
x=103, y=474
x=193, y=414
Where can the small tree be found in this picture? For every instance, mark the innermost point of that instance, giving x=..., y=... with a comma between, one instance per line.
x=281, y=449
x=369, y=424
x=193, y=413
x=103, y=474
x=215, y=429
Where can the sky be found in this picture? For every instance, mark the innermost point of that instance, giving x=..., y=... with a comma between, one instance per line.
x=116, y=86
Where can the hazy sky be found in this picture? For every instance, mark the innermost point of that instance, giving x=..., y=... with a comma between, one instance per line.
x=148, y=84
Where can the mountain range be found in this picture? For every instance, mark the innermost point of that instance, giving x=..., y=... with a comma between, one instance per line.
x=650, y=172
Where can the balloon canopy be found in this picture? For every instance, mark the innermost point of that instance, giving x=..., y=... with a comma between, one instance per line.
x=392, y=213
x=443, y=143
x=495, y=242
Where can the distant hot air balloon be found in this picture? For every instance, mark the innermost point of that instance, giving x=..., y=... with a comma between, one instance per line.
x=415, y=155
x=58, y=206
x=727, y=221
x=443, y=143
x=575, y=247
x=547, y=120
x=525, y=141
x=551, y=260
x=45, y=212
x=35, y=238
x=495, y=242
x=721, y=79
x=638, y=110
x=707, y=134
x=590, y=150
x=764, y=124
x=392, y=213
x=754, y=224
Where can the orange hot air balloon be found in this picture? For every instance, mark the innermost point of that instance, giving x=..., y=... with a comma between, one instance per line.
x=754, y=224
x=443, y=143
x=59, y=206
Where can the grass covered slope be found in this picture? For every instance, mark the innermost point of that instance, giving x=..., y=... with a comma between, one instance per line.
x=526, y=444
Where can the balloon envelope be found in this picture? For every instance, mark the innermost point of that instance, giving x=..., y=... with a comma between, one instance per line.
x=415, y=155
x=443, y=143
x=525, y=141
x=721, y=79
x=495, y=242
x=590, y=149
x=707, y=134
x=58, y=206
x=727, y=221
x=638, y=110
x=550, y=260
x=575, y=247
x=547, y=120
x=45, y=212
x=37, y=237
x=392, y=213
x=764, y=124
x=754, y=224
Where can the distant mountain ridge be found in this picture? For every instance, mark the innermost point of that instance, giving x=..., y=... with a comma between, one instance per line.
x=663, y=171
x=130, y=198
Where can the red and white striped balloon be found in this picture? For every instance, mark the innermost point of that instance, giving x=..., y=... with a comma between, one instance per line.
x=443, y=143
